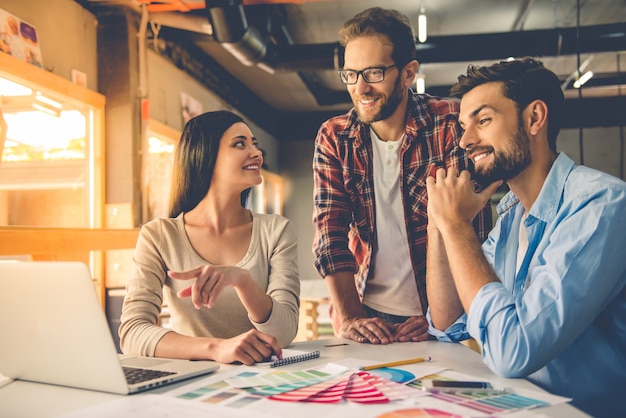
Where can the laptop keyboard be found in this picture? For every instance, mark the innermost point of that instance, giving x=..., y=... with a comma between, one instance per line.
x=137, y=375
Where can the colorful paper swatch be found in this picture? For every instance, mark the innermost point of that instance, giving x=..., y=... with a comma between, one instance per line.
x=397, y=375
x=279, y=378
x=359, y=390
x=330, y=391
x=358, y=387
x=488, y=402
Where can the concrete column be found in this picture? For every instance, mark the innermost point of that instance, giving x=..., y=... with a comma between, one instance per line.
x=118, y=80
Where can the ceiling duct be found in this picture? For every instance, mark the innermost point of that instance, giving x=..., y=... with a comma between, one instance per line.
x=231, y=29
x=251, y=47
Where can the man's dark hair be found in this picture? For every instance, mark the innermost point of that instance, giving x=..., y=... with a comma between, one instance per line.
x=388, y=23
x=524, y=80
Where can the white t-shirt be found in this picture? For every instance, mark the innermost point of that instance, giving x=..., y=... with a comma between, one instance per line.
x=522, y=245
x=391, y=287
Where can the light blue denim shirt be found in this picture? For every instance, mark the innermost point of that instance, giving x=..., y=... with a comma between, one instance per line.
x=561, y=320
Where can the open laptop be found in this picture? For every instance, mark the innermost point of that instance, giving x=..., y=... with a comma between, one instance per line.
x=55, y=331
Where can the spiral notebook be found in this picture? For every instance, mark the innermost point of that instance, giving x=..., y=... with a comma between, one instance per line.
x=289, y=357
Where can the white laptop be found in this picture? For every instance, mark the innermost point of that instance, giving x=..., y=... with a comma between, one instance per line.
x=54, y=331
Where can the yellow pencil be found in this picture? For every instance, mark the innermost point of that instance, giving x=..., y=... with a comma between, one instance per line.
x=396, y=363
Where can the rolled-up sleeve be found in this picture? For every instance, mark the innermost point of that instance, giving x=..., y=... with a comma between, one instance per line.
x=456, y=332
x=576, y=271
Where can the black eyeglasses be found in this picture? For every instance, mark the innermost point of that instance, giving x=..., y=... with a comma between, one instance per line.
x=370, y=75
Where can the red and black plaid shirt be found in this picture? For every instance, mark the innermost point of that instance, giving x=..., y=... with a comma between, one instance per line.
x=344, y=220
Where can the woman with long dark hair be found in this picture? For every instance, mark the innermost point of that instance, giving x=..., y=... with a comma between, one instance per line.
x=228, y=276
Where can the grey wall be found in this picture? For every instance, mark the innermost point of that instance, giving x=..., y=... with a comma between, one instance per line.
x=602, y=148
x=296, y=159
x=166, y=82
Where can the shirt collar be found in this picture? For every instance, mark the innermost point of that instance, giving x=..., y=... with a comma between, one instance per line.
x=418, y=115
x=548, y=201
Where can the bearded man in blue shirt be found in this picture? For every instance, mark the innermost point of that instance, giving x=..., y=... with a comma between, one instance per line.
x=545, y=296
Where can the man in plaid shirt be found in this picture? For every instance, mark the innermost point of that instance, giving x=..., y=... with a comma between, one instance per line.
x=370, y=168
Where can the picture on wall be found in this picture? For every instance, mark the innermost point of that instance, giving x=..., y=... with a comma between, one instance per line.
x=19, y=39
x=190, y=107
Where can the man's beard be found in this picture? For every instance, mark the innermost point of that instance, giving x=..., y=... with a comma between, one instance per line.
x=387, y=108
x=506, y=165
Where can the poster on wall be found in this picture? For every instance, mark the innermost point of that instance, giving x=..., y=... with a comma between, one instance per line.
x=19, y=39
x=190, y=107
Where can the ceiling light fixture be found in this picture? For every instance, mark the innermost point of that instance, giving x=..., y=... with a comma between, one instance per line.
x=583, y=79
x=576, y=74
x=420, y=82
x=421, y=24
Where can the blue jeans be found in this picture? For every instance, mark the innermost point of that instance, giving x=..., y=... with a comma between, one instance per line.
x=394, y=319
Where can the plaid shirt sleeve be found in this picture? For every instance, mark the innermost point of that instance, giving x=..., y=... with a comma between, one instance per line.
x=332, y=213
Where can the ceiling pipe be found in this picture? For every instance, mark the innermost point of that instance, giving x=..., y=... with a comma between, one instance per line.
x=231, y=29
x=538, y=43
x=522, y=15
x=183, y=21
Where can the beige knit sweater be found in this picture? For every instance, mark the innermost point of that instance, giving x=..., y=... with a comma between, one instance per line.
x=163, y=245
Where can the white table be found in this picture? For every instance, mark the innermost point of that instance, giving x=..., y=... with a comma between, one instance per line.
x=26, y=399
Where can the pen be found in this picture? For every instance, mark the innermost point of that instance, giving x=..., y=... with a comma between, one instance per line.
x=396, y=363
x=471, y=391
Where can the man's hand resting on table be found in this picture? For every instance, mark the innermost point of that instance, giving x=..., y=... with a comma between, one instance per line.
x=367, y=330
x=413, y=329
x=378, y=331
